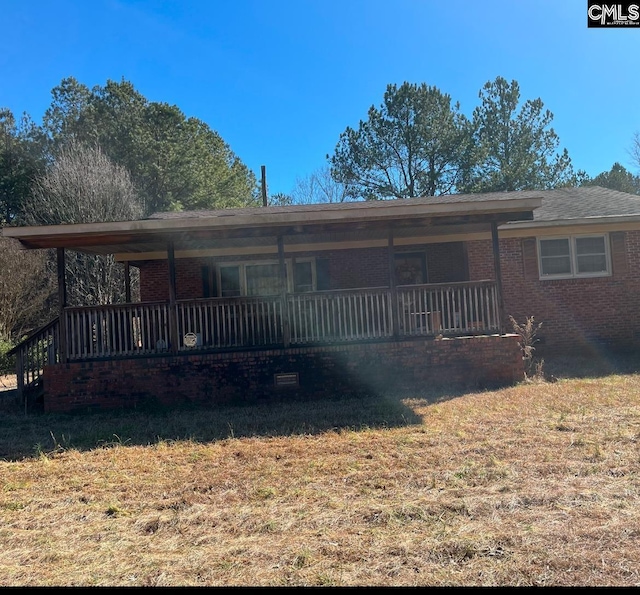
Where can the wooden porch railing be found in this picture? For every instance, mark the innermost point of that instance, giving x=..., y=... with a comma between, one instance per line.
x=451, y=309
x=330, y=316
x=117, y=330
x=126, y=330
x=351, y=315
x=40, y=348
x=230, y=322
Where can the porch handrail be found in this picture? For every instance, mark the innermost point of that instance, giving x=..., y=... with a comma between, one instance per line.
x=449, y=308
x=41, y=347
x=215, y=323
x=337, y=316
x=331, y=316
x=117, y=330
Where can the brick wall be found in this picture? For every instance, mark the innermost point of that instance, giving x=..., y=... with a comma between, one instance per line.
x=480, y=259
x=247, y=377
x=576, y=314
x=154, y=279
x=446, y=262
x=354, y=269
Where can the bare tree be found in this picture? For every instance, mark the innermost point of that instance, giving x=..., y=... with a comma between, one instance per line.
x=84, y=186
x=24, y=288
x=634, y=151
x=319, y=187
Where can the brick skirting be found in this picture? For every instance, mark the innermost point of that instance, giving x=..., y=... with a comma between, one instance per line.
x=250, y=376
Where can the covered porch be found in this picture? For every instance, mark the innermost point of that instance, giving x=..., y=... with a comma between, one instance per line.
x=288, y=316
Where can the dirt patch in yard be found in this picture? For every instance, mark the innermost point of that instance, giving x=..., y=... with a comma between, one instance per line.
x=8, y=382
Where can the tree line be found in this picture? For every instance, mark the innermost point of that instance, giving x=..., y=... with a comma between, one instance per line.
x=107, y=153
x=174, y=162
x=419, y=143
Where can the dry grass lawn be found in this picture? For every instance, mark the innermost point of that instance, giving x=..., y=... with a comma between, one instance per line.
x=536, y=484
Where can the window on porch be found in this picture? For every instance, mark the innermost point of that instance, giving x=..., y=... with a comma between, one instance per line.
x=258, y=278
x=230, y=285
x=261, y=279
x=411, y=268
x=303, y=276
x=440, y=262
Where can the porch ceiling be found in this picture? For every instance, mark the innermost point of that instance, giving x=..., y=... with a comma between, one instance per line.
x=258, y=227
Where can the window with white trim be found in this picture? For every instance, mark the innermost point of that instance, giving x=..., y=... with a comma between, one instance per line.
x=574, y=256
x=262, y=278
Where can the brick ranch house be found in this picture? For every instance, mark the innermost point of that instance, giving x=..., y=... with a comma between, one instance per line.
x=238, y=305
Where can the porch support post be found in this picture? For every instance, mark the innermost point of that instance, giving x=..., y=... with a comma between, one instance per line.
x=173, y=323
x=127, y=282
x=496, y=265
x=62, y=304
x=395, y=320
x=282, y=268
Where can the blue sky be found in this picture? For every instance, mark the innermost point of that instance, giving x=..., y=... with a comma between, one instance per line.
x=281, y=80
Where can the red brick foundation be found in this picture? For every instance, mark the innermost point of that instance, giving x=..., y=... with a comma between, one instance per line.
x=246, y=377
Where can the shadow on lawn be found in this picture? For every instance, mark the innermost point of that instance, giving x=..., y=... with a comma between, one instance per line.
x=363, y=397
x=595, y=363
x=32, y=435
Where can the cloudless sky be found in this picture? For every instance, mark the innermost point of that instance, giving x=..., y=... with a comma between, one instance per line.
x=280, y=80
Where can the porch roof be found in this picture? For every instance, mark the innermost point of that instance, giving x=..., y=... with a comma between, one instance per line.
x=188, y=230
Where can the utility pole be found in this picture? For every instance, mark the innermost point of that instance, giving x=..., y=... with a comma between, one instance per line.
x=264, y=186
